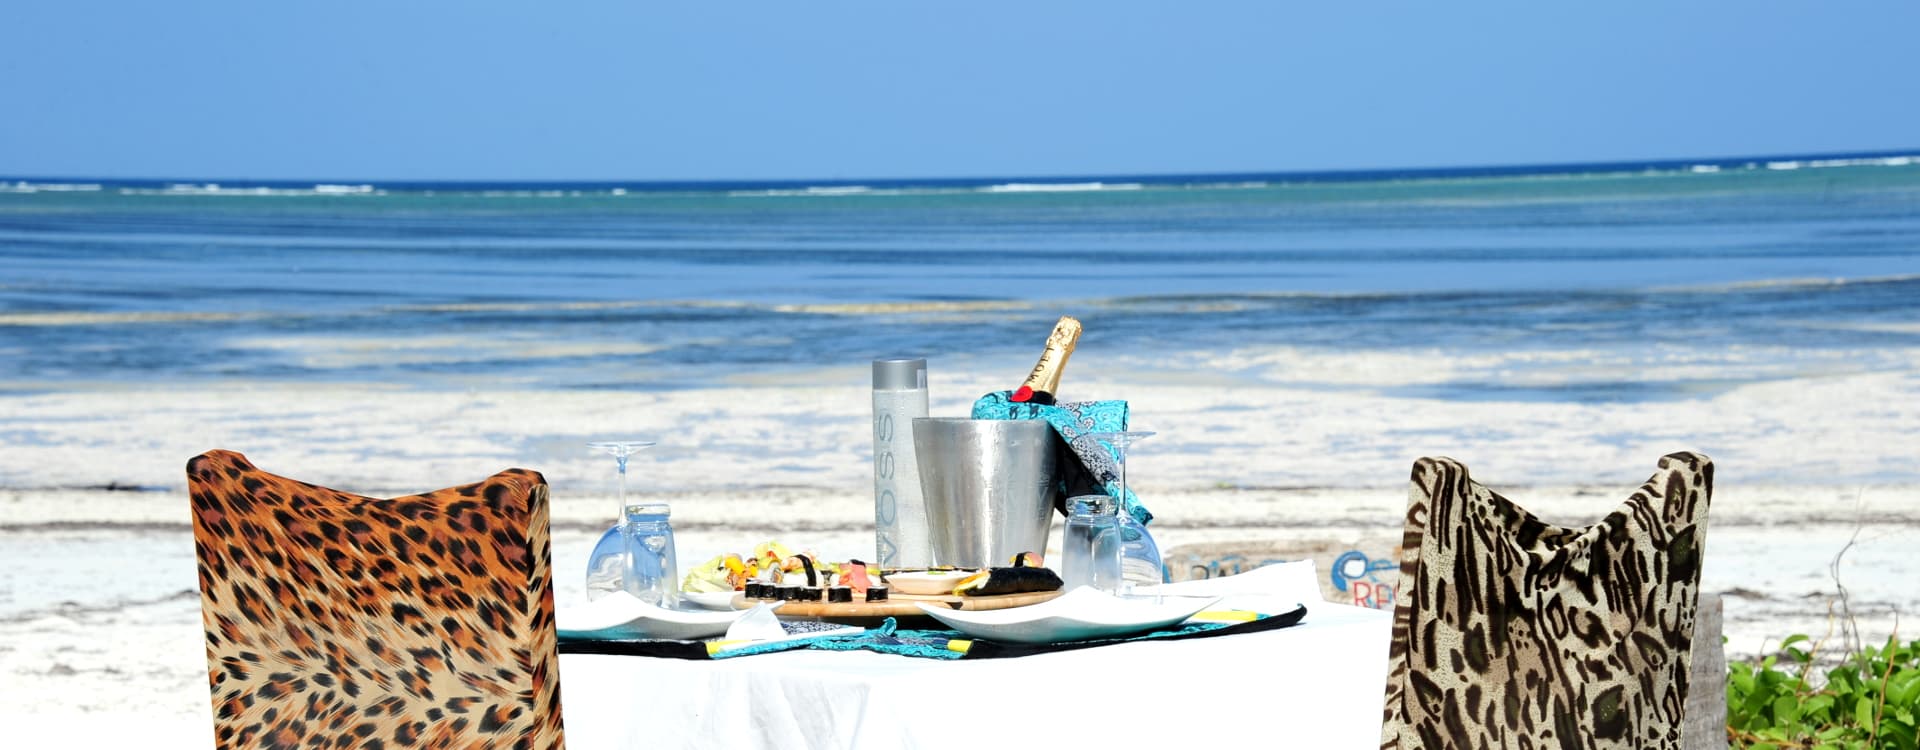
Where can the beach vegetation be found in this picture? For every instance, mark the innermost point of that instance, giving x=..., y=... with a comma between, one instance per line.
x=1867, y=699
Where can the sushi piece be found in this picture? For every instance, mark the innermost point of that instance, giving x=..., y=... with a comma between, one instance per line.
x=876, y=593
x=787, y=592
x=854, y=576
x=840, y=594
x=830, y=573
x=803, y=562
x=812, y=593
x=1018, y=580
x=767, y=572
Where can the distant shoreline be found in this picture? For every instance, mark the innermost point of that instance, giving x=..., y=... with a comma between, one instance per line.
x=346, y=186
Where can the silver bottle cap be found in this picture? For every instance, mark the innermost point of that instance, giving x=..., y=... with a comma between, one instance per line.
x=899, y=374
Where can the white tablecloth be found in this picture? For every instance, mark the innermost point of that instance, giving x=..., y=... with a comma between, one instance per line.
x=1317, y=684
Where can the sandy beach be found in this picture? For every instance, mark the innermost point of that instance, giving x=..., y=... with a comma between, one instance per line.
x=99, y=613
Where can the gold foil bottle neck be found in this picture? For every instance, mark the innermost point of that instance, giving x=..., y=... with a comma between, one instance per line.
x=1045, y=377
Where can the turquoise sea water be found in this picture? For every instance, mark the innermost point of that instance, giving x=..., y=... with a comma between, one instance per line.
x=1746, y=271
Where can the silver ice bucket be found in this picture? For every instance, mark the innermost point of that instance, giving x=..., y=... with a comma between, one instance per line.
x=988, y=487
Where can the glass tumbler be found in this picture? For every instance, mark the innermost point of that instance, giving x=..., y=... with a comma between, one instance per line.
x=653, y=571
x=1092, y=544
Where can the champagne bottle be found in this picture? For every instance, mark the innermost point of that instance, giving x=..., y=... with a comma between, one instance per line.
x=1044, y=382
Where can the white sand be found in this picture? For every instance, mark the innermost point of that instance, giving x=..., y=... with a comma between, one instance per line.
x=99, y=613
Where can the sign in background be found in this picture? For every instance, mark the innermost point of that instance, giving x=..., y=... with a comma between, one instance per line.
x=1362, y=573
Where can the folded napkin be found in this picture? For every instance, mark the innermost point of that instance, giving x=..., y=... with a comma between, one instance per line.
x=751, y=635
x=1095, y=470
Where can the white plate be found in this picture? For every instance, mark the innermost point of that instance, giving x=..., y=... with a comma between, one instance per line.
x=715, y=600
x=1080, y=614
x=1270, y=590
x=926, y=582
x=619, y=616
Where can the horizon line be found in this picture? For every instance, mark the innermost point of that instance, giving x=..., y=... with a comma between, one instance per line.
x=1151, y=178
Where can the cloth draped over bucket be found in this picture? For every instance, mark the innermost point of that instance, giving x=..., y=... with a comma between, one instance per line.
x=1076, y=423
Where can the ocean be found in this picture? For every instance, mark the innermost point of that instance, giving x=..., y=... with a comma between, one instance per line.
x=1592, y=283
x=1297, y=341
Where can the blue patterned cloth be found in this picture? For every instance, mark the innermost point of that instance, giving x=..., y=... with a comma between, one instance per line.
x=926, y=644
x=1077, y=423
x=886, y=639
x=952, y=644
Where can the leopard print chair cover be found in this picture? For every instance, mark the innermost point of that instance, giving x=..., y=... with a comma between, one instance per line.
x=336, y=621
x=1514, y=633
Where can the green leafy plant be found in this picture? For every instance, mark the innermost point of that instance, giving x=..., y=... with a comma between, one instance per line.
x=1870, y=700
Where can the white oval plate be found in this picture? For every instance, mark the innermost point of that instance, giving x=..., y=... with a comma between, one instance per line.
x=1079, y=615
x=715, y=600
x=926, y=582
x=620, y=616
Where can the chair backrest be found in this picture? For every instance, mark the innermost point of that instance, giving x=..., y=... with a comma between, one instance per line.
x=335, y=620
x=1511, y=632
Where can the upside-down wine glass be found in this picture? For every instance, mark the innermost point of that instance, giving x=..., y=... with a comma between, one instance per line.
x=607, y=566
x=1140, y=565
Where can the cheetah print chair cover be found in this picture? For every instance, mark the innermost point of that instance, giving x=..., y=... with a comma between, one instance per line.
x=1514, y=633
x=335, y=620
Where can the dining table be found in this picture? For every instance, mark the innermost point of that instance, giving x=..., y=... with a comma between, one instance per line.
x=1318, y=683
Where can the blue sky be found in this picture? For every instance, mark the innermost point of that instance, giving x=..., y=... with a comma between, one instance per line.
x=671, y=91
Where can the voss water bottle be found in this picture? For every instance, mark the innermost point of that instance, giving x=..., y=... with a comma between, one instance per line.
x=900, y=533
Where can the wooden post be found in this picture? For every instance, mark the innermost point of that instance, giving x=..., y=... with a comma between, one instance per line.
x=1705, y=724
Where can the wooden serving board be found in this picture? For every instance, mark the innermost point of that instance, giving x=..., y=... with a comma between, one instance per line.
x=898, y=605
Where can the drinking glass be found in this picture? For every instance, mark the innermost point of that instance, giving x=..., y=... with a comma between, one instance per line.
x=1091, y=544
x=607, y=566
x=1140, y=563
x=653, y=572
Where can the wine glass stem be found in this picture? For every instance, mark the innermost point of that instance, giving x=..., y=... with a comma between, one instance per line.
x=622, y=460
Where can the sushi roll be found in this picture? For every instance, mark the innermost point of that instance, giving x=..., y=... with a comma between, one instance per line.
x=840, y=594
x=1017, y=580
x=787, y=592
x=876, y=593
x=811, y=594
